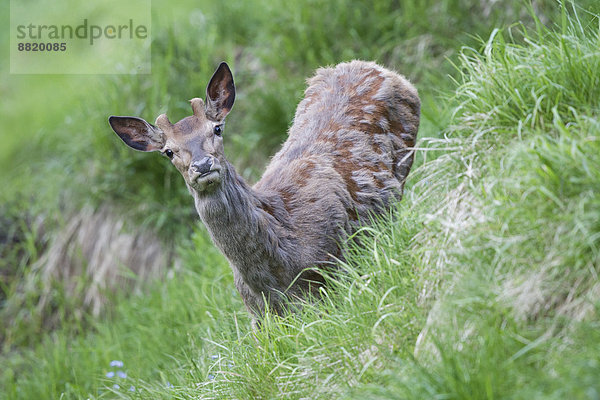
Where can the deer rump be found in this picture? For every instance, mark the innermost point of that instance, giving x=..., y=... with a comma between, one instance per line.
x=347, y=157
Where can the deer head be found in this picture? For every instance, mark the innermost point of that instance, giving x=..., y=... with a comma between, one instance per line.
x=194, y=144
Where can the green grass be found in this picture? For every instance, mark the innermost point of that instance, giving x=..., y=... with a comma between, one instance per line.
x=59, y=156
x=191, y=331
x=481, y=284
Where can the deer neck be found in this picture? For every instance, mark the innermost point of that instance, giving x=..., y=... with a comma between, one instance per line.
x=228, y=204
x=248, y=236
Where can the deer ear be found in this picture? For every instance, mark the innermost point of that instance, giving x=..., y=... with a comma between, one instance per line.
x=137, y=133
x=220, y=93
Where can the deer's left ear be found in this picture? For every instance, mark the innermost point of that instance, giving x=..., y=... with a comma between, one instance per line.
x=137, y=133
x=220, y=93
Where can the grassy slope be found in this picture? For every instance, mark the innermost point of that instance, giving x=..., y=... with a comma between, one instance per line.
x=483, y=284
x=50, y=160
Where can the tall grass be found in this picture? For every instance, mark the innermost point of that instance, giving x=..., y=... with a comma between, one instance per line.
x=66, y=158
x=482, y=283
x=517, y=257
x=190, y=335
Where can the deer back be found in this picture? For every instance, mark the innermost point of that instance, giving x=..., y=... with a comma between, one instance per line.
x=348, y=152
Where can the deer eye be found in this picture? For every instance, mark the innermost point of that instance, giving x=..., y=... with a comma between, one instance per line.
x=169, y=153
x=218, y=130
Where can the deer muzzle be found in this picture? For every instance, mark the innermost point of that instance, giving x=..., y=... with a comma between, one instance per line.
x=204, y=172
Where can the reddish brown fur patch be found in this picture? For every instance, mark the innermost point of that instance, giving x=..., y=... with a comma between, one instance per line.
x=352, y=214
x=397, y=128
x=376, y=148
x=377, y=168
x=287, y=196
x=345, y=167
x=332, y=126
x=304, y=172
x=268, y=208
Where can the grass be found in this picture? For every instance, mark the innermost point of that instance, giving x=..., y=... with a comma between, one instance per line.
x=192, y=327
x=72, y=145
x=482, y=283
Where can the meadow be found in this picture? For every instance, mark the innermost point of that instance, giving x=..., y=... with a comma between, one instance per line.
x=482, y=283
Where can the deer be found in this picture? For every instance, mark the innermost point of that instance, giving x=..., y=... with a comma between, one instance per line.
x=346, y=158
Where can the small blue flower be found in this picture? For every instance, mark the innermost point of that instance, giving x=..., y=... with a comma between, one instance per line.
x=132, y=388
x=211, y=377
x=110, y=374
x=214, y=356
x=169, y=385
x=116, y=387
x=121, y=374
x=116, y=363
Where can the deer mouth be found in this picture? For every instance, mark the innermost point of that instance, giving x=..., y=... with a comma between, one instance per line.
x=208, y=173
x=207, y=179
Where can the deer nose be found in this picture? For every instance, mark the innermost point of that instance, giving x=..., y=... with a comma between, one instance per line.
x=203, y=166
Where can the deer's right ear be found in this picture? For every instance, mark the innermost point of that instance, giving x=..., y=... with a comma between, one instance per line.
x=137, y=133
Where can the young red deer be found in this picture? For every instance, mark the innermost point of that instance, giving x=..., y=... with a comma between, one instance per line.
x=348, y=153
